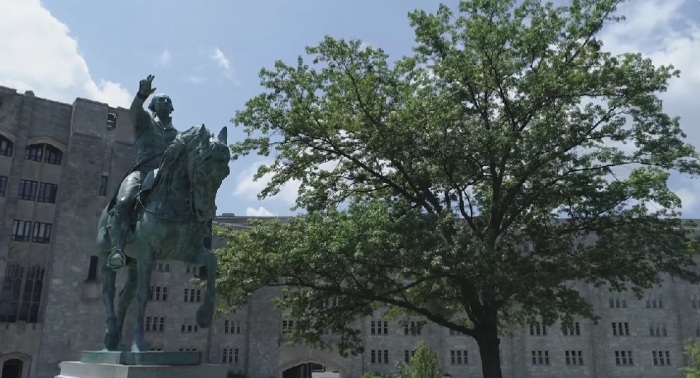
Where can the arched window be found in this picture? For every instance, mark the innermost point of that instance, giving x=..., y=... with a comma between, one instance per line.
x=12, y=368
x=34, y=152
x=43, y=152
x=6, y=146
x=33, y=284
x=53, y=155
x=10, y=293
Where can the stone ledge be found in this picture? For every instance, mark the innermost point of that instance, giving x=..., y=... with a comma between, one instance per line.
x=75, y=369
x=141, y=358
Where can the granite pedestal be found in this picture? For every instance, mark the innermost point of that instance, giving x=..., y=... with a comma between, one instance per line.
x=103, y=364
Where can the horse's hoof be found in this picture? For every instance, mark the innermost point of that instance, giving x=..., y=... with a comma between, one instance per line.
x=111, y=341
x=116, y=261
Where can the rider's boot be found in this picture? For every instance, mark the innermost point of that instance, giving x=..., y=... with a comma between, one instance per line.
x=117, y=229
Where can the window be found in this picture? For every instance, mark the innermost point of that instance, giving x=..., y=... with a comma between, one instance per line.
x=623, y=358
x=458, y=357
x=231, y=326
x=53, y=155
x=654, y=301
x=155, y=324
x=21, y=230
x=111, y=120
x=573, y=357
x=187, y=349
x=540, y=357
x=407, y=355
x=41, y=233
x=27, y=190
x=10, y=293
x=33, y=284
x=189, y=328
x=618, y=303
x=572, y=330
x=229, y=355
x=156, y=349
x=379, y=356
x=161, y=267
x=192, y=270
x=34, y=152
x=379, y=327
x=158, y=293
x=413, y=328
x=47, y=193
x=6, y=146
x=193, y=295
x=333, y=302
x=661, y=357
x=657, y=330
x=102, y=191
x=17, y=302
x=620, y=328
x=3, y=185
x=287, y=326
x=538, y=329
x=92, y=268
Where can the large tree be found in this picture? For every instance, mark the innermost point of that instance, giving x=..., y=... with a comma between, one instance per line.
x=471, y=183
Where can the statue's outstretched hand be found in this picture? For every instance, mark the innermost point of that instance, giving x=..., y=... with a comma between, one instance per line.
x=145, y=85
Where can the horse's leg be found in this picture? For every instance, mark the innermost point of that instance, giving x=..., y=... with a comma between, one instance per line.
x=125, y=297
x=143, y=273
x=113, y=332
x=205, y=312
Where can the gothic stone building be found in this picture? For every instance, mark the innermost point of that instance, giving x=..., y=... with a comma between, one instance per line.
x=60, y=162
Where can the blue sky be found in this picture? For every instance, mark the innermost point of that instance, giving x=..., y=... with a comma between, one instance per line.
x=207, y=58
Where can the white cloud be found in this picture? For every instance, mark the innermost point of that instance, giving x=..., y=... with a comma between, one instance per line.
x=164, y=59
x=219, y=58
x=195, y=79
x=667, y=34
x=39, y=54
x=690, y=198
x=259, y=212
x=248, y=188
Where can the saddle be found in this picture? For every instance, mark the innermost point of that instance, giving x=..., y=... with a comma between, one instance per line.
x=147, y=184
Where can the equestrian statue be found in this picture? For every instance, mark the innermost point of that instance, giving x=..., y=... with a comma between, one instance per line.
x=163, y=210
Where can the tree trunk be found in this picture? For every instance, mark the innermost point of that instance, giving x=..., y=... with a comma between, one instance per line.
x=490, y=352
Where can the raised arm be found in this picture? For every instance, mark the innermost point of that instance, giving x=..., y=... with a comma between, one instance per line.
x=138, y=115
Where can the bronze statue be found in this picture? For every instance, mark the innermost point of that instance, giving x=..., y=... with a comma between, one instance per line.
x=153, y=134
x=163, y=211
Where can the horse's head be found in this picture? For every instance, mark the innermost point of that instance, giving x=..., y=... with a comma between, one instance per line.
x=207, y=160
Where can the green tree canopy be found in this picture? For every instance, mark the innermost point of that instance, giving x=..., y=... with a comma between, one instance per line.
x=423, y=363
x=464, y=183
x=692, y=350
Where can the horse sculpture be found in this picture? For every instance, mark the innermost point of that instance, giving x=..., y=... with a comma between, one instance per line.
x=171, y=223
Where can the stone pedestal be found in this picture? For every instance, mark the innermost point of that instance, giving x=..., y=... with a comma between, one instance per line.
x=140, y=365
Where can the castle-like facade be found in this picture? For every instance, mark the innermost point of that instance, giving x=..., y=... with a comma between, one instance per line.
x=59, y=163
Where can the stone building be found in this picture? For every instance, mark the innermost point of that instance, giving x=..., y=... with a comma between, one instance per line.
x=59, y=163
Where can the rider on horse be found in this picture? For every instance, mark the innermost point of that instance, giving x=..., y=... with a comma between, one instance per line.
x=153, y=134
